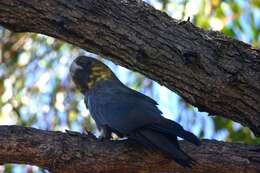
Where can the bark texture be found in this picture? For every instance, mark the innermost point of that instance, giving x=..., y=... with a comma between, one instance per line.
x=74, y=152
x=217, y=74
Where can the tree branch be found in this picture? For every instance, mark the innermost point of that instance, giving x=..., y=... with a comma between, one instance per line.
x=74, y=152
x=217, y=74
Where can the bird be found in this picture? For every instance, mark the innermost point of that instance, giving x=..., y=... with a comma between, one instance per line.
x=119, y=109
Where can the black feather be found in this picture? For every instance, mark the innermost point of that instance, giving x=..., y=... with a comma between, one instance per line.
x=173, y=129
x=128, y=112
x=153, y=139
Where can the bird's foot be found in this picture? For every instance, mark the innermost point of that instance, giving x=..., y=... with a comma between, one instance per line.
x=105, y=133
x=83, y=134
x=103, y=137
x=72, y=133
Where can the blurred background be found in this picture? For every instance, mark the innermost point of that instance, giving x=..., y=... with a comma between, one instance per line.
x=36, y=89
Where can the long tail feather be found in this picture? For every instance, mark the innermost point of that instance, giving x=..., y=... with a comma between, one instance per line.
x=154, y=139
x=173, y=129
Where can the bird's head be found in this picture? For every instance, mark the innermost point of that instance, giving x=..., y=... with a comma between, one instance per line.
x=86, y=72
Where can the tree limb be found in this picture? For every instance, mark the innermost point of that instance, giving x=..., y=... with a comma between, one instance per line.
x=217, y=74
x=74, y=152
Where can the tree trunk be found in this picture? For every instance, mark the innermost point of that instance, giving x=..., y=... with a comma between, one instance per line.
x=74, y=152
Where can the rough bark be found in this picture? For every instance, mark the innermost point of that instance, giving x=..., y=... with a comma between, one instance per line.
x=74, y=152
x=217, y=74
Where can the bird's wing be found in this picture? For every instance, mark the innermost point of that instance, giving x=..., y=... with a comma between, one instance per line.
x=126, y=110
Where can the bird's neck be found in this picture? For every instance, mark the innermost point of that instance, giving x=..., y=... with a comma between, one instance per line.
x=103, y=85
x=96, y=79
x=98, y=73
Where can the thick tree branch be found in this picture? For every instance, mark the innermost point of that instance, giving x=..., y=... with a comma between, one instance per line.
x=73, y=153
x=217, y=74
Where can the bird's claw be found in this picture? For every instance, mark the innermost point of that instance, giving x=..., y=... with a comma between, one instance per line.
x=103, y=138
x=72, y=133
x=83, y=134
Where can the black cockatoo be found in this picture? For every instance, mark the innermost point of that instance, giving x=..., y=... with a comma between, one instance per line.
x=126, y=112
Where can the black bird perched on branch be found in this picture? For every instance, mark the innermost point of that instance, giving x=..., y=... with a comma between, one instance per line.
x=126, y=112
